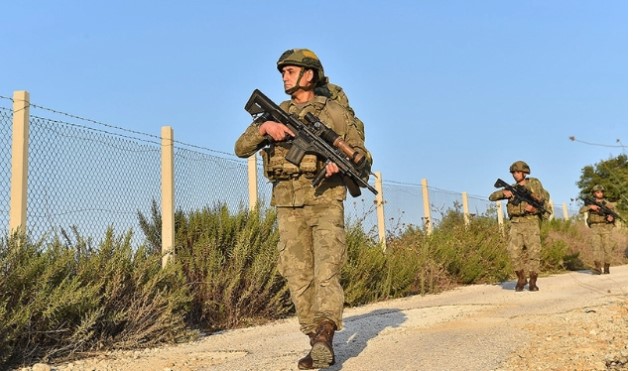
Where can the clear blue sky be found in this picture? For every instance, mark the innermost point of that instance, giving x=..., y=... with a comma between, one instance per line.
x=451, y=91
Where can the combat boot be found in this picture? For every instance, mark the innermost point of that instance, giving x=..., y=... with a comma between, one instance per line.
x=533, y=277
x=521, y=280
x=306, y=363
x=606, y=269
x=322, y=352
x=597, y=268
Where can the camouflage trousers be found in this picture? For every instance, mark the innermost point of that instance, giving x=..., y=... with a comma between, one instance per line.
x=602, y=243
x=524, y=246
x=312, y=252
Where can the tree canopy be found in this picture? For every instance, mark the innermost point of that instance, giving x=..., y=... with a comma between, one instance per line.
x=613, y=175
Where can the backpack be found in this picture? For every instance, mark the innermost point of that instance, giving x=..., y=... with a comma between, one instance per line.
x=337, y=94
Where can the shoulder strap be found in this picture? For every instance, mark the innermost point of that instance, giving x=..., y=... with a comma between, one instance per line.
x=285, y=105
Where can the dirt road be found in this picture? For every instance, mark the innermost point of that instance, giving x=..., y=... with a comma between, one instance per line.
x=576, y=321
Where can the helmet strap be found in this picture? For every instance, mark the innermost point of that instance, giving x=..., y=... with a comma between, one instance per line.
x=297, y=86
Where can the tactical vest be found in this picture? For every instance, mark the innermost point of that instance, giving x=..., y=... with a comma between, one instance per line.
x=518, y=209
x=276, y=167
x=595, y=217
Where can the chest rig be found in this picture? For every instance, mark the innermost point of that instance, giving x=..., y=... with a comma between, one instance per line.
x=596, y=217
x=276, y=167
x=516, y=208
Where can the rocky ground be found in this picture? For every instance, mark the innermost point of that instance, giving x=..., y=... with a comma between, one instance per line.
x=591, y=338
x=577, y=321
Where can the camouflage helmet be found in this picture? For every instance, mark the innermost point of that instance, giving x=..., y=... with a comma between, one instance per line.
x=303, y=58
x=597, y=188
x=520, y=166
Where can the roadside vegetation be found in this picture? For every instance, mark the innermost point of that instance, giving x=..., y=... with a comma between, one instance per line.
x=71, y=297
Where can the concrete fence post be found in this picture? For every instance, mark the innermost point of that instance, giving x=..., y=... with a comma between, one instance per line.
x=465, y=205
x=252, y=182
x=168, y=231
x=428, y=223
x=380, y=211
x=500, y=216
x=19, y=162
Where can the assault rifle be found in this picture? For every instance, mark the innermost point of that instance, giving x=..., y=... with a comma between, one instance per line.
x=521, y=193
x=604, y=210
x=315, y=138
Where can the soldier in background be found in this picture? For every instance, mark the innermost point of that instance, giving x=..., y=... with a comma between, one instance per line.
x=524, y=246
x=312, y=247
x=601, y=225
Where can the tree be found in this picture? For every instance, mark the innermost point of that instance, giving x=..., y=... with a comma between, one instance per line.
x=613, y=175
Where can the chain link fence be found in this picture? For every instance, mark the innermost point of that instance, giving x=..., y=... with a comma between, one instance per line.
x=92, y=178
x=6, y=125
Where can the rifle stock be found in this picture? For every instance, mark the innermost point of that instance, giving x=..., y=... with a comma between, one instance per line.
x=313, y=137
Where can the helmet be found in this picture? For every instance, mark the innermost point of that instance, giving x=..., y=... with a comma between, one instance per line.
x=520, y=166
x=302, y=58
x=597, y=188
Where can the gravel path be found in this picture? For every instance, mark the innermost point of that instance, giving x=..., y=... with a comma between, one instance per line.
x=577, y=321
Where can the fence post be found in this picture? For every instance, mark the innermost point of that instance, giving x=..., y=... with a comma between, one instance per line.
x=428, y=223
x=565, y=212
x=168, y=231
x=466, y=212
x=500, y=215
x=19, y=161
x=380, y=211
x=252, y=182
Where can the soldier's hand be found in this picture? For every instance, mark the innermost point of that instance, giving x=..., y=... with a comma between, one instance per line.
x=610, y=218
x=331, y=169
x=594, y=207
x=530, y=209
x=275, y=130
x=507, y=194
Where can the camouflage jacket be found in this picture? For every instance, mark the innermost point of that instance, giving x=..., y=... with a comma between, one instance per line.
x=517, y=209
x=596, y=217
x=292, y=185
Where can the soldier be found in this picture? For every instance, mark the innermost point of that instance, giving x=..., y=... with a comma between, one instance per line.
x=312, y=247
x=524, y=246
x=601, y=226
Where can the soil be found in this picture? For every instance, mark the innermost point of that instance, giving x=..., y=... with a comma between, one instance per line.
x=577, y=321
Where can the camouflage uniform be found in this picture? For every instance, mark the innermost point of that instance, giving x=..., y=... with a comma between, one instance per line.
x=524, y=245
x=602, y=243
x=525, y=230
x=312, y=247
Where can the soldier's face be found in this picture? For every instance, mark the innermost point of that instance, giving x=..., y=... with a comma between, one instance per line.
x=291, y=76
x=598, y=194
x=518, y=176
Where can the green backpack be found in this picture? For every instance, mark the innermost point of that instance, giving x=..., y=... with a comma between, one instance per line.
x=336, y=93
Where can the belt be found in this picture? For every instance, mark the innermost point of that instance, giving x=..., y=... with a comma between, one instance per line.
x=523, y=217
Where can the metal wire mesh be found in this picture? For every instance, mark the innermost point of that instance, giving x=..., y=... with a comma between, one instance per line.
x=87, y=179
x=94, y=179
x=203, y=179
x=6, y=124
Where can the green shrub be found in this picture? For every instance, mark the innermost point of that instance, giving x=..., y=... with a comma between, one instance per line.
x=58, y=299
x=230, y=263
x=553, y=255
x=69, y=296
x=474, y=253
x=363, y=274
